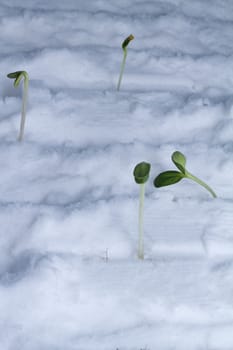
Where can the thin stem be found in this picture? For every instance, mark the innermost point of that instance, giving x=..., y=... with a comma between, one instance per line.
x=200, y=182
x=140, y=222
x=24, y=105
x=122, y=68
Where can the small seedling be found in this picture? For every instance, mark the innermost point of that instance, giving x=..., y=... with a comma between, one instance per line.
x=141, y=175
x=124, y=48
x=172, y=176
x=18, y=76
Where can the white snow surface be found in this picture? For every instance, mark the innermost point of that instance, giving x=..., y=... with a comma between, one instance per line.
x=69, y=274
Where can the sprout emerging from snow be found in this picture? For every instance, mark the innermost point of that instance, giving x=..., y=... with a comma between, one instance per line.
x=124, y=48
x=141, y=175
x=172, y=176
x=18, y=76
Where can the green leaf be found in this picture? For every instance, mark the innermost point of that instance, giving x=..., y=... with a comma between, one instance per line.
x=13, y=75
x=141, y=172
x=127, y=41
x=179, y=160
x=17, y=80
x=169, y=177
x=17, y=76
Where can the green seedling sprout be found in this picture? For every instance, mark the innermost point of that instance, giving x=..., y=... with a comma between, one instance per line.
x=18, y=76
x=141, y=175
x=171, y=177
x=124, y=48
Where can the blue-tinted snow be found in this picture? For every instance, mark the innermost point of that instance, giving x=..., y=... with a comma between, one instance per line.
x=69, y=275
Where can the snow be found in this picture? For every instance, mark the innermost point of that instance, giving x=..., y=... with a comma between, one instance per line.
x=69, y=274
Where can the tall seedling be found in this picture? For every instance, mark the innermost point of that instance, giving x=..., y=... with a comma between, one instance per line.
x=124, y=48
x=141, y=175
x=18, y=76
x=172, y=176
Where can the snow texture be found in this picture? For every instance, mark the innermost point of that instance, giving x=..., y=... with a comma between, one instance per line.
x=69, y=274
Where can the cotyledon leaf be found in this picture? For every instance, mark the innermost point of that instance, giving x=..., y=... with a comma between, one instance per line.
x=179, y=160
x=141, y=172
x=167, y=178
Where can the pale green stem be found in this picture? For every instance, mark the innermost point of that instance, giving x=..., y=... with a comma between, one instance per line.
x=122, y=68
x=200, y=182
x=140, y=222
x=24, y=106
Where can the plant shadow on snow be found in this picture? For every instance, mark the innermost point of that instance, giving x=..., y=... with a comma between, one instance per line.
x=21, y=266
x=8, y=91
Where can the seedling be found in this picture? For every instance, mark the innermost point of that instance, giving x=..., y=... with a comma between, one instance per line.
x=18, y=76
x=172, y=176
x=124, y=48
x=141, y=175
